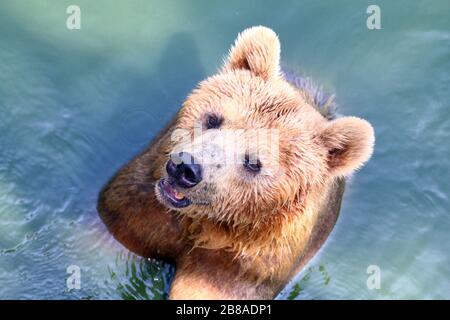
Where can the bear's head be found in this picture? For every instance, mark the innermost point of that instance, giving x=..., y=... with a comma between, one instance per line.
x=247, y=146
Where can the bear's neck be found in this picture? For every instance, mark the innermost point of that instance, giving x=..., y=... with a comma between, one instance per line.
x=272, y=248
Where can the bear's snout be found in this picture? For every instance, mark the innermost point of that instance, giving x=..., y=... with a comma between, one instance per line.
x=185, y=171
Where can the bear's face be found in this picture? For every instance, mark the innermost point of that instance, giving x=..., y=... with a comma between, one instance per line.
x=247, y=144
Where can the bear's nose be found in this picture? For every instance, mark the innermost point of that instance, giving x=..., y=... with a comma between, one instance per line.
x=185, y=171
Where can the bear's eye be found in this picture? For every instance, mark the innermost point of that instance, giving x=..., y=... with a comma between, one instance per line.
x=213, y=121
x=252, y=165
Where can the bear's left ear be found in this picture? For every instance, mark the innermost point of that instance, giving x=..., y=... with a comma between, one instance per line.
x=256, y=49
x=349, y=141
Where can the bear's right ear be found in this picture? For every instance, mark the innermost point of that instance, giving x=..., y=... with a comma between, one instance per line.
x=256, y=49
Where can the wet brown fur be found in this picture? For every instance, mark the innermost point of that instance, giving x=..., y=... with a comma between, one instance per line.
x=256, y=233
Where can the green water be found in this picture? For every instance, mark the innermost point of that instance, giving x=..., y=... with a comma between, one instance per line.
x=77, y=104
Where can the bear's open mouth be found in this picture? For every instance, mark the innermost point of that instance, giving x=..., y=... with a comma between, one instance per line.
x=174, y=197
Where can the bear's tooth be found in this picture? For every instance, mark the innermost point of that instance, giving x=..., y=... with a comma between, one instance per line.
x=178, y=195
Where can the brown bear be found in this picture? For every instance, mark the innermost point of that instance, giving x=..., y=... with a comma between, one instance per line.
x=238, y=224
